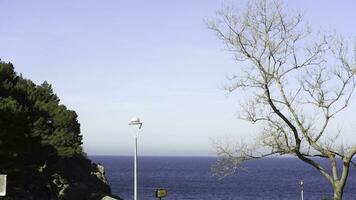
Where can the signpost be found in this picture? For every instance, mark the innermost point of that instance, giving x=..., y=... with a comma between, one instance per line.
x=161, y=193
x=2, y=185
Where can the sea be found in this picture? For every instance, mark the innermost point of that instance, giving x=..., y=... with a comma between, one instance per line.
x=190, y=178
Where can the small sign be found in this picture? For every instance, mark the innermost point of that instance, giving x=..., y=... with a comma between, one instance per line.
x=160, y=193
x=2, y=185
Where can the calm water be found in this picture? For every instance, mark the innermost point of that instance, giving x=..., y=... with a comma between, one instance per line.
x=190, y=178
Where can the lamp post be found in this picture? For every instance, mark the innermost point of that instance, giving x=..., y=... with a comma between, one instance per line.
x=135, y=121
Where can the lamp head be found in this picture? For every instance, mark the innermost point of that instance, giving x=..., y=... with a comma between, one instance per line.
x=135, y=121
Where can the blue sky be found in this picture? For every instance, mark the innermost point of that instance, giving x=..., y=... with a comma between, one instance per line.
x=111, y=60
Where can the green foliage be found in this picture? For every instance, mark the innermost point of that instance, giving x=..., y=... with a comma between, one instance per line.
x=34, y=126
x=40, y=143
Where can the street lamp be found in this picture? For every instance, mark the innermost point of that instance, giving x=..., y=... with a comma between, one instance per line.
x=135, y=121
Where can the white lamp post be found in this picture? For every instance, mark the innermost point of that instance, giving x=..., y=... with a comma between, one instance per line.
x=135, y=121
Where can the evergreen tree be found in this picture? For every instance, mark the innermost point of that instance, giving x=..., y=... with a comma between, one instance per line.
x=40, y=144
x=31, y=120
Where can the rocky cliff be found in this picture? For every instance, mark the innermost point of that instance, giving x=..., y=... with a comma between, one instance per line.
x=65, y=179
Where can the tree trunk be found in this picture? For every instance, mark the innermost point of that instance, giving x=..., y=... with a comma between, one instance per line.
x=338, y=191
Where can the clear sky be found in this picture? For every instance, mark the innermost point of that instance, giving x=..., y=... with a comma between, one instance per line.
x=113, y=59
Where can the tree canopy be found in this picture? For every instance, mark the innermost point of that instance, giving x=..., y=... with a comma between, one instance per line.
x=40, y=144
x=33, y=123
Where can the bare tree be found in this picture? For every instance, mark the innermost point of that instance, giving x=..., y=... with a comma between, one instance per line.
x=294, y=82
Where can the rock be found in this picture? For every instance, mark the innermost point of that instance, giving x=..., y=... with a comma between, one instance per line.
x=108, y=198
x=74, y=178
x=99, y=171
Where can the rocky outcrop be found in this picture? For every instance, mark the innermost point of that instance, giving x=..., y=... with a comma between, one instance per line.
x=63, y=179
x=80, y=179
x=99, y=171
x=108, y=198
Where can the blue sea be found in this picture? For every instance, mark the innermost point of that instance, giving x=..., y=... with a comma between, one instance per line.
x=189, y=178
